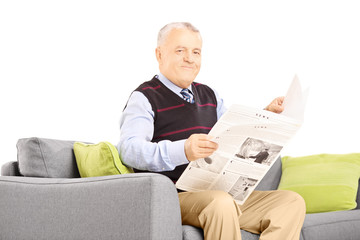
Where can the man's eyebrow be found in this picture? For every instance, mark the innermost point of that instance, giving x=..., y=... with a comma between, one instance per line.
x=179, y=46
x=196, y=49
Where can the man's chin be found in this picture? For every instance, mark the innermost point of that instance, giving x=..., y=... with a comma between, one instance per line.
x=189, y=78
x=187, y=82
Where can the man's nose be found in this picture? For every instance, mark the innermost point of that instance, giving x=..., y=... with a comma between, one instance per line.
x=188, y=57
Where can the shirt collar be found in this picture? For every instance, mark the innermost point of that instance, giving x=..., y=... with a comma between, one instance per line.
x=170, y=85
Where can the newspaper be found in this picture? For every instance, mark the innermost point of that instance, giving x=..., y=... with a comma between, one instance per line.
x=250, y=141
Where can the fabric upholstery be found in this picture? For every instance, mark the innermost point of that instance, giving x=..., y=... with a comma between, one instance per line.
x=272, y=178
x=88, y=208
x=193, y=233
x=41, y=157
x=332, y=226
x=94, y=208
x=10, y=169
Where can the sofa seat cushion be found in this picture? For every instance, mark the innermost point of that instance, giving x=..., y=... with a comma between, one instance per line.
x=41, y=157
x=194, y=233
x=332, y=225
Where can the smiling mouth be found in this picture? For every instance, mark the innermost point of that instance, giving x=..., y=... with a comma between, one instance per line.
x=187, y=67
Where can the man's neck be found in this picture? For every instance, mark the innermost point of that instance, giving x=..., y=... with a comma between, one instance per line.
x=169, y=84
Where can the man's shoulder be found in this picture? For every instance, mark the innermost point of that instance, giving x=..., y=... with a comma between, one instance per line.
x=152, y=84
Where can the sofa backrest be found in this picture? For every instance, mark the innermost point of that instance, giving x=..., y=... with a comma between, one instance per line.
x=50, y=158
x=272, y=178
x=358, y=197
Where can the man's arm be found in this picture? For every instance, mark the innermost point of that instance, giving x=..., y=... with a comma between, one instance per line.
x=135, y=146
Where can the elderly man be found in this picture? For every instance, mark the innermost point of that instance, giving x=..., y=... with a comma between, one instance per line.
x=164, y=126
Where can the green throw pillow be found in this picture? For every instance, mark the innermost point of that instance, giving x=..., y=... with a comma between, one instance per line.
x=98, y=160
x=327, y=182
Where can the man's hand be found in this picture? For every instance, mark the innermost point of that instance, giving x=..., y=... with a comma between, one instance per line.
x=276, y=105
x=199, y=146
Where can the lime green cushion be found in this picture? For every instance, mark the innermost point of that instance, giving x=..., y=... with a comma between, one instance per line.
x=327, y=182
x=98, y=160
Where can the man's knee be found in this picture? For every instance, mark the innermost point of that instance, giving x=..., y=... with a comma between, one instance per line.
x=291, y=196
x=295, y=200
x=198, y=208
x=220, y=198
x=201, y=200
x=222, y=203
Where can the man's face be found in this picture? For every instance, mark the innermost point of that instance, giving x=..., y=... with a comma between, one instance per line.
x=179, y=56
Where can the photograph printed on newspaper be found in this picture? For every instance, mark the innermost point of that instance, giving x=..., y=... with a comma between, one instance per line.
x=250, y=141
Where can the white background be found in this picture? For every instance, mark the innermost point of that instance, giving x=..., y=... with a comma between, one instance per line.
x=68, y=67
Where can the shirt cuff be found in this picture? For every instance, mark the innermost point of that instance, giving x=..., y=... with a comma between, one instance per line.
x=177, y=153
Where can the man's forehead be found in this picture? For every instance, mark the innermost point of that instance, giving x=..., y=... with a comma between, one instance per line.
x=185, y=38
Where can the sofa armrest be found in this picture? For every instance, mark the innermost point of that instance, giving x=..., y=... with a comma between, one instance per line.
x=10, y=169
x=130, y=206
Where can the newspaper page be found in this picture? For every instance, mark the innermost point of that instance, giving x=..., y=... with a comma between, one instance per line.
x=250, y=141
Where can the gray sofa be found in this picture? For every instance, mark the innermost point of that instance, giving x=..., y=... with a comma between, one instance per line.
x=42, y=197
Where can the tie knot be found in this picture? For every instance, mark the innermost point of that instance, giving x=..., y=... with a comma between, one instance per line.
x=187, y=95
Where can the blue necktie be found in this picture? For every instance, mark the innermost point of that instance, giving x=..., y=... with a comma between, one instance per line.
x=187, y=95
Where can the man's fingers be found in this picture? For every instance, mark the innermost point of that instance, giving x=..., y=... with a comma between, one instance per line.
x=202, y=154
x=208, y=144
x=276, y=105
x=281, y=99
x=205, y=142
x=206, y=149
x=199, y=146
x=277, y=109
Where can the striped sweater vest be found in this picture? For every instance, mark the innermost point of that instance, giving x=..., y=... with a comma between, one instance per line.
x=175, y=119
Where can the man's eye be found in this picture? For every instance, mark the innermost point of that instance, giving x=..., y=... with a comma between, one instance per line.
x=179, y=50
x=197, y=53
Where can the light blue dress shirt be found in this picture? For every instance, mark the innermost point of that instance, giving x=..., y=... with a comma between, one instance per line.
x=136, y=131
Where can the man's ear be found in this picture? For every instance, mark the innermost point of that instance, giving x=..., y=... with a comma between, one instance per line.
x=158, y=54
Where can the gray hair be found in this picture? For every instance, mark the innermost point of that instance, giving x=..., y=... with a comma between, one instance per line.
x=163, y=33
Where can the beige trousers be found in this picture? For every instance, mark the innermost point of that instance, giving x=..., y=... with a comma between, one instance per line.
x=276, y=215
